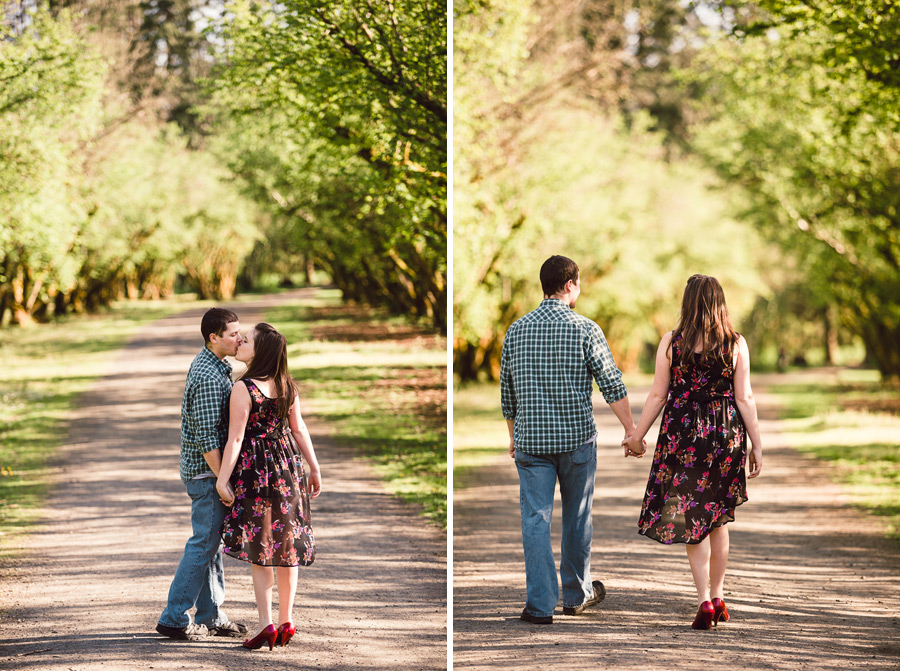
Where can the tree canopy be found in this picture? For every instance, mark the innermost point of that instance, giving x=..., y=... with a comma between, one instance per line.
x=554, y=153
x=157, y=144
x=754, y=141
x=800, y=107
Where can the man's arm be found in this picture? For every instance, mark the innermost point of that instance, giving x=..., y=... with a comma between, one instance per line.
x=214, y=460
x=608, y=377
x=207, y=411
x=622, y=410
x=507, y=392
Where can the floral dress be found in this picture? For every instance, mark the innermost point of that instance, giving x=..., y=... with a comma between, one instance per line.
x=269, y=522
x=697, y=478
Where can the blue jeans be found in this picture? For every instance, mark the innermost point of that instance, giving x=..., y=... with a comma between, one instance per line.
x=200, y=578
x=537, y=484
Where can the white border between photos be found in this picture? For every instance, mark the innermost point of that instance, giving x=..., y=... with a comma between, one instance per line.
x=449, y=294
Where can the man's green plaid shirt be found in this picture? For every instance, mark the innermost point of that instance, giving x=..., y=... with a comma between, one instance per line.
x=549, y=357
x=204, y=412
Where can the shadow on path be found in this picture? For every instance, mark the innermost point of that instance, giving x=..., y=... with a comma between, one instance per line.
x=811, y=584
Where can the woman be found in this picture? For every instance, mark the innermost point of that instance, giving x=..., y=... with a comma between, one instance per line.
x=698, y=474
x=263, y=480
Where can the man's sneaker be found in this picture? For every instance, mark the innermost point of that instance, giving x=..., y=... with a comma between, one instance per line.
x=192, y=632
x=599, y=595
x=231, y=629
x=536, y=619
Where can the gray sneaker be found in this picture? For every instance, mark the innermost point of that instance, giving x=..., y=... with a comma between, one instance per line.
x=192, y=632
x=599, y=595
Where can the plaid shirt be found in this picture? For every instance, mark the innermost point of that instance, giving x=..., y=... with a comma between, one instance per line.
x=549, y=357
x=204, y=412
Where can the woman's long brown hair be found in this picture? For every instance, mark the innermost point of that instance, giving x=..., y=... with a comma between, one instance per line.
x=705, y=324
x=270, y=362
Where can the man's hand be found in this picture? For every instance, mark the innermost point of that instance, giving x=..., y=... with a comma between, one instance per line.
x=512, y=448
x=226, y=493
x=634, y=447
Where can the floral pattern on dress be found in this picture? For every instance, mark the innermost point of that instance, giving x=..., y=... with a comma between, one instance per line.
x=269, y=522
x=697, y=478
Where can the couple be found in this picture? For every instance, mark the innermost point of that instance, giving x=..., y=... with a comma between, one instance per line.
x=248, y=487
x=698, y=475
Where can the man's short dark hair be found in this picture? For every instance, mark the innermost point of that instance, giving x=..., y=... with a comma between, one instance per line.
x=215, y=320
x=556, y=271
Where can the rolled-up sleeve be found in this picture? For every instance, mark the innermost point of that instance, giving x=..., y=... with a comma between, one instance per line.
x=507, y=389
x=602, y=366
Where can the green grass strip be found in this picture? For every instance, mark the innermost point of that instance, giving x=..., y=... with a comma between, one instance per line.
x=380, y=386
x=43, y=370
x=838, y=420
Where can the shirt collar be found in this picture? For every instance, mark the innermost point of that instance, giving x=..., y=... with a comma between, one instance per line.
x=224, y=365
x=554, y=303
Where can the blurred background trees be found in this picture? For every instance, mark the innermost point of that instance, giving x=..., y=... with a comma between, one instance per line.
x=652, y=139
x=160, y=145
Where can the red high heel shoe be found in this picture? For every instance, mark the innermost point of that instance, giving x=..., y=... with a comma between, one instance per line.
x=721, y=612
x=704, y=616
x=267, y=635
x=285, y=632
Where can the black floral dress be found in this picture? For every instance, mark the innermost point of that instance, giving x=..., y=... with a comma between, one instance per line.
x=269, y=522
x=697, y=478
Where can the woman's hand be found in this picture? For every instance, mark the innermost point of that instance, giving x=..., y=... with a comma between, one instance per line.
x=314, y=484
x=634, y=447
x=755, y=460
x=226, y=493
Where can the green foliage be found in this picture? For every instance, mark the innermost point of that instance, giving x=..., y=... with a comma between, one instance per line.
x=818, y=160
x=48, y=105
x=98, y=201
x=856, y=35
x=118, y=184
x=541, y=168
x=338, y=125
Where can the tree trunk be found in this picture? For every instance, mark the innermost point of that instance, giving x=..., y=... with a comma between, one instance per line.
x=19, y=313
x=831, y=339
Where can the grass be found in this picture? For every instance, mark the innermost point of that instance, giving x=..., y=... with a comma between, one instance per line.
x=840, y=419
x=479, y=430
x=381, y=385
x=43, y=370
x=380, y=394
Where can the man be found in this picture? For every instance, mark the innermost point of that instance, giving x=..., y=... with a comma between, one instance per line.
x=549, y=358
x=200, y=578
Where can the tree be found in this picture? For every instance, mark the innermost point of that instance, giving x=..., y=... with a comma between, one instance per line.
x=48, y=102
x=813, y=139
x=547, y=162
x=338, y=123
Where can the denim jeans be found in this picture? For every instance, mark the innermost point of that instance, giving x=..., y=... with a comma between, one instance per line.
x=537, y=484
x=200, y=577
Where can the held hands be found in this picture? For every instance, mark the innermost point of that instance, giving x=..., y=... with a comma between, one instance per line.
x=634, y=447
x=314, y=484
x=512, y=448
x=226, y=493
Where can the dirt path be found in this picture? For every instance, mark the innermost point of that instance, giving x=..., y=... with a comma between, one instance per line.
x=99, y=569
x=810, y=585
